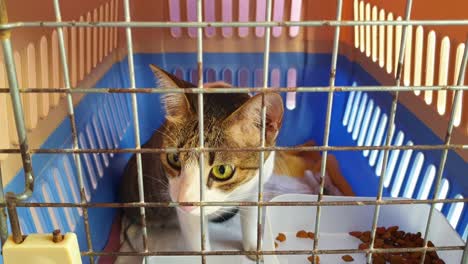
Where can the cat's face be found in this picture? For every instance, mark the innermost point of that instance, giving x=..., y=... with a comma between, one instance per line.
x=230, y=121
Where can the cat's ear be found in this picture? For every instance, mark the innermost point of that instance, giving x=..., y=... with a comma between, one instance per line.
x=245, y=122
x=176, y=105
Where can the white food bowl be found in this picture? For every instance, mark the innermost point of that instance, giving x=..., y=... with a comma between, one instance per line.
x=337, y=221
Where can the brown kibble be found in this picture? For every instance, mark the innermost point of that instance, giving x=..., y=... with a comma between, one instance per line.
x=363, y=246
x=378, y=260
x=430, y=244
x=387, y=256
x=387, y=246
x=311, y=259
x=401, y=242
x=416, y=255
x=427, y=260
x=438, y=261
x=281, y=237
x=347, y=258
x=380, y=230
x=387, y=235
x=393, y=229
x=419, y=242
x=355, y=234
x=378, y=243
x=276, y=245
x=311, y=235
x=301, y=234
x=364, y=238
x=433, y=255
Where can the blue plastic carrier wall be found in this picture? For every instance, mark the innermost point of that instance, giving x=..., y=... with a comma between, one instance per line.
x=358, y=118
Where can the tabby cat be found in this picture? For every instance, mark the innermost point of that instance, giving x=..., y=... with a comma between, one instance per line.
x=230, y=121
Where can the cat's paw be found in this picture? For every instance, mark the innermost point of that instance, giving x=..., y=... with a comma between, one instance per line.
x=254, y=257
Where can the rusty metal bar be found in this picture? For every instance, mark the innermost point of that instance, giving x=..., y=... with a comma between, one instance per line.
x=240, y=203
x=162, y=24
x=276, y=252
x=326, y=132
x=14, y=220
x=248, y=149
x=465, y=254
x=391, y=128
x=3, y=214
x=136, y=124
x=71, y=115
x=17, y=105
x=201, y=132
x=448, y=138
x=244, y=89
x=261, y=171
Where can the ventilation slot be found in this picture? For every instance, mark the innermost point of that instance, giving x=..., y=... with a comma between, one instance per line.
x=382, y=39
x=92, y=144
x=443, y=74
x=378, y=139
x=348, y=107
x=455, y=211
x=365, y=123
x=60, y=187
x=414, y=175
x=427, y=182
x=354, y=111
x=36, y=217
x=444, y=189
x=394, y=154
x=360, y=115
x=389, y=44
x=401, y=172
x=52, y=212
x=418, y=53
x=291, y=97
x=87, y=159
x=430, y=61
x=459, y=104
x=372, y=128
x=227, y=76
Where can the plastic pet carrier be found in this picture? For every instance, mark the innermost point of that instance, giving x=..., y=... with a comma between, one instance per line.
x=378, y=84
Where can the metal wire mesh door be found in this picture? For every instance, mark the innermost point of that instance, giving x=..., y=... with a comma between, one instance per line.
x=361, y=27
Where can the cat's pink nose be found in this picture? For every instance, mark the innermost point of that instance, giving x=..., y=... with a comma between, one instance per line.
x=187, y=209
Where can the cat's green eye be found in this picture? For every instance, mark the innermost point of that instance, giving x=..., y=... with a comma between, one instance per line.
x=173, y=160
x=222, y=172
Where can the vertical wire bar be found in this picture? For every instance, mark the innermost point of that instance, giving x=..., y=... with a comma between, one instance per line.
x=71, y=115
x=201, y=130
x=14, y=220
x=465, y=252
x=17, y=106
x=326, y=137
x=266, y=64
x=391, y=128
x=136, y=126
x=443, y=159
x=3, y=215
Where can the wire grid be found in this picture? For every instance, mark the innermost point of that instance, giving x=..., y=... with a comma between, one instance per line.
x=15, y=92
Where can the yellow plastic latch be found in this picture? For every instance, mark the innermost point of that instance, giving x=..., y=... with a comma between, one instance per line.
x=41, y=249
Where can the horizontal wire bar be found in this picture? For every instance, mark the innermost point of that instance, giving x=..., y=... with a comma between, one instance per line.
x=276, y=252
x=161, y=24
x=240, y=203
x=249, y=149
x=243, y=89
